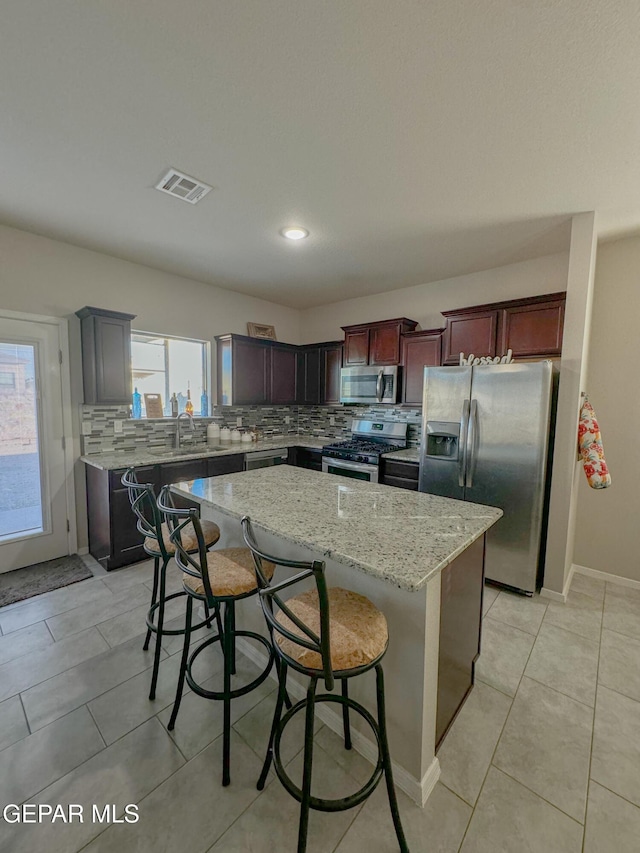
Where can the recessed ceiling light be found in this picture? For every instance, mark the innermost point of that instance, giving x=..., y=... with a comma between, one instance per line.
x=295, y=233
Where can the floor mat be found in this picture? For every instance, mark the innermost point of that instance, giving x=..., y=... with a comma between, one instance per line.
x=41, y=577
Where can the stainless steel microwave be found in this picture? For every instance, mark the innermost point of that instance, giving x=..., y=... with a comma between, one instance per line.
x=369, y=384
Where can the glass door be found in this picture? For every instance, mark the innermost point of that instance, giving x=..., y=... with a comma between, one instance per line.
x=33, y=502
x=21, y=506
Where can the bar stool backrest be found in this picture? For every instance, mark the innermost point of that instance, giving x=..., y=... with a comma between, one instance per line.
x=145, y=507
x=192, y=563
x=269, y=596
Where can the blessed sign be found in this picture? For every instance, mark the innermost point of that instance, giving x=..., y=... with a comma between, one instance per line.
x=486, y=359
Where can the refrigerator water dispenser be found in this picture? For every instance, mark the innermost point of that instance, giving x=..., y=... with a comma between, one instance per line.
x=443, y=439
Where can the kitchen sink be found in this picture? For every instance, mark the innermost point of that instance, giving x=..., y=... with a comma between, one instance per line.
x=187, y=451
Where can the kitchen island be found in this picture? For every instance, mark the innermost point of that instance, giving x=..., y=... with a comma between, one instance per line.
x=418, y=557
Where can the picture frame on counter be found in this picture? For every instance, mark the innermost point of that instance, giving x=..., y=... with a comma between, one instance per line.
x=153, y=405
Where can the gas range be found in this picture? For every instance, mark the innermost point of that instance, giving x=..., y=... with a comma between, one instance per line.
x=359, y=456
x=358, y=450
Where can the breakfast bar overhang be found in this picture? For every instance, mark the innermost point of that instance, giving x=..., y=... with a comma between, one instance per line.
x=419, y=558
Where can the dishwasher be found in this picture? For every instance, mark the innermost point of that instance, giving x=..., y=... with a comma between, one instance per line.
x=265, y=458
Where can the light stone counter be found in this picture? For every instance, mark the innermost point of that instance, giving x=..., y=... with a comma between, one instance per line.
x=392, y=534
x=411, y=454
x=417, y=557
x=157, y=455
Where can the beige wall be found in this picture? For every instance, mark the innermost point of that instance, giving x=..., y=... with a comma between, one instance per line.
x=425, y=302
x=608, y=521
x=42, y=276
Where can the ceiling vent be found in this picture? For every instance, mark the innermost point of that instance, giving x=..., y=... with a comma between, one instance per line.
x=183, y=186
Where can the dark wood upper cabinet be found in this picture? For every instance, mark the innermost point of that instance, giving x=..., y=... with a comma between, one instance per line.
x=356, y=347
x=106, y=356
x=255, y=372
x=308, y=379
x=530, y=328
x=375, y=343
x=319, y=373
x=331, y=363
x=419, y=350
x=283, y=375
x=243, y=365
x=533, y=329
x=469, y=332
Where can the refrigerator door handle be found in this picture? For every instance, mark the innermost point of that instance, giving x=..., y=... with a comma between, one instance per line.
x=462, y=443
x=471, y=442
x=380, y=386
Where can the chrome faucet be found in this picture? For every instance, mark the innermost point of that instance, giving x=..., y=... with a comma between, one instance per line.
x=178, y=439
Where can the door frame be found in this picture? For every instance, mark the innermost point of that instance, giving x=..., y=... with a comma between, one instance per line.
x=67, y=413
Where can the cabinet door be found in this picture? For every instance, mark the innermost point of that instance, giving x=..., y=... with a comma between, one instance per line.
x=175, y=472
x=106, y=356
x=218, y=465
x=474, y=332
x=417, y=353
x=306, y=458
x=356, y=347
x=532, y=330
x=309, y=377
x=384, y=344
x=460, y=621
x=250, y=369
x=282, y=376
x=113, y=360
x=125, y=539
x=331, y=366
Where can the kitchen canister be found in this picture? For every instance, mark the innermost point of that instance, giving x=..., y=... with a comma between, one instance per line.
x=225, y=434
x=213, y=434
x=236, y=435
x=246, y=438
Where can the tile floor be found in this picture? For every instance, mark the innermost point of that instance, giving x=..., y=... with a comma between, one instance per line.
x=544, y=758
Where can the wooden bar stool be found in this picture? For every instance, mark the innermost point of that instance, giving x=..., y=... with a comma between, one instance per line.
x=329, y=634
x=220, y=577
x=157, y=544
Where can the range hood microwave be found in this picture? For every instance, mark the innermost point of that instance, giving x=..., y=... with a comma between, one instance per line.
x=369, y=385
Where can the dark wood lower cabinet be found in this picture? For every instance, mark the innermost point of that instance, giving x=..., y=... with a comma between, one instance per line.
x=404, y=475
x=460, y=624
x=114, y=539
x=305, y=457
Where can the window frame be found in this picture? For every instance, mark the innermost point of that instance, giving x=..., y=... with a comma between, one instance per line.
x=206, y=366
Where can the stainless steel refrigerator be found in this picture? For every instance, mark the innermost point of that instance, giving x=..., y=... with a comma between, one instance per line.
x=485, y=438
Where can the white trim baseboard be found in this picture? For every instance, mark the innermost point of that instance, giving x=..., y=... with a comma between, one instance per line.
x=605, y=576
x=418, y=790
x=559, y=596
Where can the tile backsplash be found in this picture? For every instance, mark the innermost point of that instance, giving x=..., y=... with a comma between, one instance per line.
x=100, y=436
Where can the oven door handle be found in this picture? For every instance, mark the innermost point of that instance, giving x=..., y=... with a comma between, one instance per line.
x=351, y=466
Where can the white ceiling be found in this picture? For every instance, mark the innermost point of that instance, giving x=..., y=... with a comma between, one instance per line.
x=416, y=139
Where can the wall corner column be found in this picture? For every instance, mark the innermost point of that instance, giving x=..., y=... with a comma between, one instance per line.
x=573, y=377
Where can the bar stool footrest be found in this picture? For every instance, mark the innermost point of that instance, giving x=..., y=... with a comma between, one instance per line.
x=239, y=691
x=170, y=632
x=319, y=803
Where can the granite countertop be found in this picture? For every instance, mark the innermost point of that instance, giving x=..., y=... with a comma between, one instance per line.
x=392, y=534
x=411, y=454
x=156, y=456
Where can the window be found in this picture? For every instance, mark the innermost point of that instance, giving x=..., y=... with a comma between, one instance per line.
x=166, y=366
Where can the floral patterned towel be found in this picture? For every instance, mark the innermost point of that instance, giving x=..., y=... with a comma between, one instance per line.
x=591, y=449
